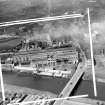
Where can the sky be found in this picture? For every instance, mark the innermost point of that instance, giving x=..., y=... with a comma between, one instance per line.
x=17, y=9
x=23, y=9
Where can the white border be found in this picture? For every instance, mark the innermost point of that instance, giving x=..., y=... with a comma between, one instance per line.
x=49, y=19
x=91, y=49
x=53, y=99
x=1, y=80
x=36, y=20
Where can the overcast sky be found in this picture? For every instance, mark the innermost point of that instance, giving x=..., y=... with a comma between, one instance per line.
x=15, y=9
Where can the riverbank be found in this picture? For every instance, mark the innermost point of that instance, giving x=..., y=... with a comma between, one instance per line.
x=13, y=88
x=90, y=78
x=27, y=69
x=17, y=94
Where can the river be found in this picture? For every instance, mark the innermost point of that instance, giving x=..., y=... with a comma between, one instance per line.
x=86, y=87
x=54, y=85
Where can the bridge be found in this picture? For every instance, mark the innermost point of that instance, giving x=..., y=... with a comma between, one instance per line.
x=72, y=83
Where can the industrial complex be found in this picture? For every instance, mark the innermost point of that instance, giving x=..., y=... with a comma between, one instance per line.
x=55, y=57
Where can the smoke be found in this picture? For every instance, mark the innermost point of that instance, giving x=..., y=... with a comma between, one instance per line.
x=74, y=31
x=61, y=30
x=99, y=36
